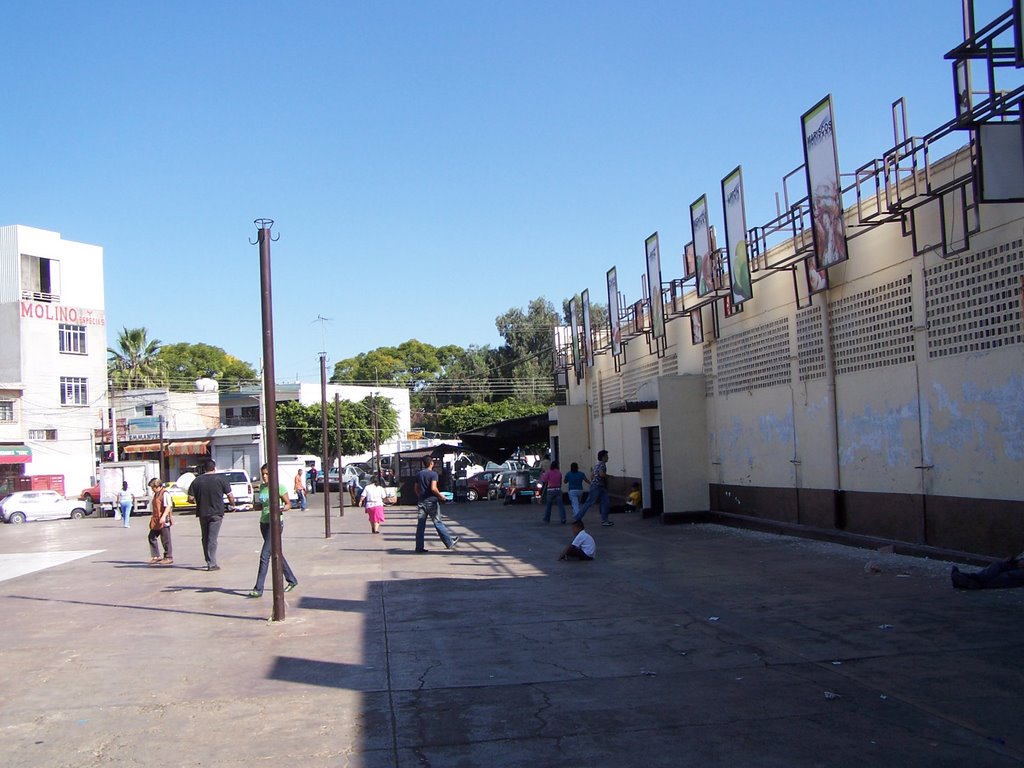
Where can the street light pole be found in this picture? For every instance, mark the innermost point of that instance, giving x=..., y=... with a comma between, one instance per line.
x=270, y=398
x=325, y=461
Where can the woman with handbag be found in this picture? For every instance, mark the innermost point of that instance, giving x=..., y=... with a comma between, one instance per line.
x=160, y=524
x=373, y=497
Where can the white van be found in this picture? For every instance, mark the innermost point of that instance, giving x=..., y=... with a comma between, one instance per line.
x=289, y=464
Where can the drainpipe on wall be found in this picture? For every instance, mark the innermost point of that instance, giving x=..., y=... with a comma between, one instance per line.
x=838, y=508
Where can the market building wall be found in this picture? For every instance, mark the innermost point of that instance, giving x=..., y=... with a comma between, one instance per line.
x=891, y=405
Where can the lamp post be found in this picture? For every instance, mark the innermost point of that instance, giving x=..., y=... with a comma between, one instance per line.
x=270, y=397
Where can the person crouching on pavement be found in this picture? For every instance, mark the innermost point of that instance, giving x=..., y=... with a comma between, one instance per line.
x=160, y=524
x=264, y=497
x=582, y=547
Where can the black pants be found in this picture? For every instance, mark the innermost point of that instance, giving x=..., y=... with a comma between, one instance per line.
x=164, y=534
x=210, y=528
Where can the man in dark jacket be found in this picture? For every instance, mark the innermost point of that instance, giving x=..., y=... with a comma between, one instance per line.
x=208, y=492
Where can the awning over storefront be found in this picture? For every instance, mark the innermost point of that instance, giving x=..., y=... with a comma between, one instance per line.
x=171, y=448
x=15, y=454
x=142, y=448
x=188, y=448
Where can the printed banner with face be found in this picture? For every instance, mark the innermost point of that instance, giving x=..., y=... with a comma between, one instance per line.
x=574, y=320
x=588, y=340
x=654, y=286
x=697, y=326
x=821, y=161
x=702, y=245
x=614, y=321
x=689, y=262
x=736, y=236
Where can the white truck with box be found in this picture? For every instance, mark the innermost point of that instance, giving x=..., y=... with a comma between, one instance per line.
x=136, y=473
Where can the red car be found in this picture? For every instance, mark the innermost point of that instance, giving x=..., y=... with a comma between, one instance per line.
x=477, y=485
x=90, y=495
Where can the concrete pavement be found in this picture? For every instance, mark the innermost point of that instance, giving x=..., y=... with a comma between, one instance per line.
x=685, y=645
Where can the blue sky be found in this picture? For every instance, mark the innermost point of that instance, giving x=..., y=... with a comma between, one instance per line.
x=428, y=165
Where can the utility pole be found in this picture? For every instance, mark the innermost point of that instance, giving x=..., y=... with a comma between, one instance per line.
x=270, y=397
x=337, y=451
x=326, y=456
x=163, y=452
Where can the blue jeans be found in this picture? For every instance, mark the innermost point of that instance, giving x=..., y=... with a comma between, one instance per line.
x=553, y=495
x=126, y=513
x=302, y=499
x=261, y=575
x=598, y=493
x=575, y=494
x=430, y=508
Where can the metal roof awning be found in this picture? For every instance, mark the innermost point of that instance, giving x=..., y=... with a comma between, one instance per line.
x=188, y=448
x=142, y=448
x=499, y=441
x=15, y=454
x=171, y=448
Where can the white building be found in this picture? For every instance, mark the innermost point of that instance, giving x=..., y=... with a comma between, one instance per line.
x=53, y=370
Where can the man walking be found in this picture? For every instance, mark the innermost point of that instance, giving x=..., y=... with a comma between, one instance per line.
x=598, y=490
x=299, y=486
x=428, y=505
x=207, y=492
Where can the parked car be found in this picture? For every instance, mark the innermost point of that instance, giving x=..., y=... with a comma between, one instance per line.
x=522, y=483
x=22, y=506
x=359, y=471
x=90, y=495
x=241, y=486
x=478, y=486
x=179, y=497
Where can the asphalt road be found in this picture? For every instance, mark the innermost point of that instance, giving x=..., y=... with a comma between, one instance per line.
x=686, y=645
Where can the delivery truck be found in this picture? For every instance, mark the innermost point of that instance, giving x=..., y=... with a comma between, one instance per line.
x=136, y=473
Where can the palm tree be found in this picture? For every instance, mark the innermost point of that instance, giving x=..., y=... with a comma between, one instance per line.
x=135, y=363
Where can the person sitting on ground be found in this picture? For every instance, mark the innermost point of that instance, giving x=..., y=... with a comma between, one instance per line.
x=582, y=547
x=1002, y=574
x=634, y=499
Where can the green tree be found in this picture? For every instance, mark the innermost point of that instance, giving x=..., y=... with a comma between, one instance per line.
x=527, y=357
x=460, y=418
x=299, y=426
x=186, y=362
x=135, y=362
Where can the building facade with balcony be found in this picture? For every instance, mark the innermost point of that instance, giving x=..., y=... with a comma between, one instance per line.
x=53, y=382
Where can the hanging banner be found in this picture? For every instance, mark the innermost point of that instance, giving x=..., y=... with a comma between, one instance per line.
x=654, y=286
x=574, y=320
x=689, y=262
x=697, y=326
x=588, y=339
x=736, y=236
x=821, y=163
x=702, y=245
x=614, y=321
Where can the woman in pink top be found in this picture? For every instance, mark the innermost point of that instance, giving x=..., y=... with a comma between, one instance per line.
x=552, y=480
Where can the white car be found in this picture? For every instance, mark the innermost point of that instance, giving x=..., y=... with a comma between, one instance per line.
x=241, y=485
x=39, y=505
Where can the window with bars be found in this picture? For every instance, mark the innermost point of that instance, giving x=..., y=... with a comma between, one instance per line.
x=873, y=328
x=810, y=344
x=6, y=411
x=42, y=434
x=74, y=390
x=71, y=339
x=974, y=303
x=754, y=359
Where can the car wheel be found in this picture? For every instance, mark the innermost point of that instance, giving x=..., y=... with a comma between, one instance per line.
x=16, y=517
x=87, y=498
x=77, y=514
x=472, y=495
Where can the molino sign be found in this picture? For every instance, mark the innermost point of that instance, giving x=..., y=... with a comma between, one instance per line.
x=37, y=310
